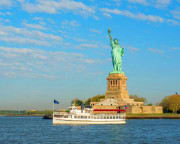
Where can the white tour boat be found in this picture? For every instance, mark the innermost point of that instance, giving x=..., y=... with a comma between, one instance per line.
x=86, y=116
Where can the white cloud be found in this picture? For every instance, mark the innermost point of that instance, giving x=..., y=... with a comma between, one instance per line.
x=112, y=11
x=95, y=31
x=8, y=74
x=107, y=15
x=156, y=51
x=132, y=49
x=117, y=2
x=5, y=3
x=21, y=40
x=144, y=2
x=38, y=18
x=96, y=17
x=52, y=7
x=26, y=36
x=88, y=45
x=4, y=21
x=139, y=16
x=72, y=23
x=176, y=13
x=34, y=26
x=36, y=63
x=154, y=3
x=173, y=21
x=80, y=39
x=162, y=3
x=5, y=13
x=175, y=48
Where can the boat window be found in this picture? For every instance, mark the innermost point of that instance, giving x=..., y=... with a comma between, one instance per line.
x=116, y=117
x=88, y=117
x=107, y=117
x=110, y=117
x=81, y=116
x=74, y=116
x=85, y=117
x=113, y=117
x=104, y=117
x=78, y=116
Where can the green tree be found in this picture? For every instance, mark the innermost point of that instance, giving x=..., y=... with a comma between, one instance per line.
x=138, y=99
x=87, y=102
x=76, y=102
x=150, y=104
x=165, y=104
x=171, y=103
x=96, y=98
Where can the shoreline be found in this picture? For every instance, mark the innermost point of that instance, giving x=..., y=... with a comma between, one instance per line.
x=153, y=116
x=128, y=116
x=21, y=115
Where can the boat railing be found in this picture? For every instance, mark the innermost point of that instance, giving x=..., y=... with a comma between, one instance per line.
x=97, y=116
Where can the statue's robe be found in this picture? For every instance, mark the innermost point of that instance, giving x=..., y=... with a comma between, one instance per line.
x=117, y=53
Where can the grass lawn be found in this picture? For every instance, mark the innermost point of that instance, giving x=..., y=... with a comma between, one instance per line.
x=164, y=115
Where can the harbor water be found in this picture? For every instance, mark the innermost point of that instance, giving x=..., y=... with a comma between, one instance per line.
x=35, y=130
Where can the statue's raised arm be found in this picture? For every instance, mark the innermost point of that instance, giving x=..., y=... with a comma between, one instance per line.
x=110, y=37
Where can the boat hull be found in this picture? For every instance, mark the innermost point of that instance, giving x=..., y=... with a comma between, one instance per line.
x=84, y=122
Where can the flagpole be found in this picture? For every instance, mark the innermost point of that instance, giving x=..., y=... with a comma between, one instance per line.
x=53, y=106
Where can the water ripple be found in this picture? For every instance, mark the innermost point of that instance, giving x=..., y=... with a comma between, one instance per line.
x=35, y=130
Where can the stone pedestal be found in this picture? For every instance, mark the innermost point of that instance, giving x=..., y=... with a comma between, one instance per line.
x=117, y=94
x=116, y=87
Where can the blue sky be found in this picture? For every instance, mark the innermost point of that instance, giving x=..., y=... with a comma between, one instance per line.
x=60, y=49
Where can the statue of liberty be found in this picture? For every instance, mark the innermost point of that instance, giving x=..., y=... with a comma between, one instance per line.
x=117, y=53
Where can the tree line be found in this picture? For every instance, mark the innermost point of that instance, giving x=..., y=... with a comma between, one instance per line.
x=97, y=98
x=78, y=102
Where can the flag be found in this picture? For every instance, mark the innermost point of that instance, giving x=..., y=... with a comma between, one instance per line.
x=126, y=107
x=56, y=102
